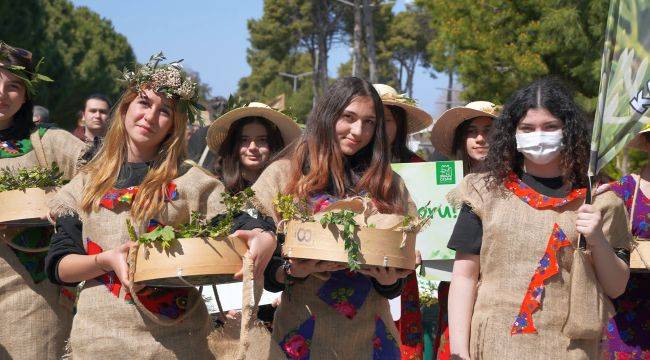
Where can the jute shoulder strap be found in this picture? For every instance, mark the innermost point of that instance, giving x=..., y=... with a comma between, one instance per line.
x=35, y=138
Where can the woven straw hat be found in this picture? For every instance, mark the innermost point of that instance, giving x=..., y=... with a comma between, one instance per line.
x=638, y=141
x=442, y=135
x=416, y=118
x=219, y=128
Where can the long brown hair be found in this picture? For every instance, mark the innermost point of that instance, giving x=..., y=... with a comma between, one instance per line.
x=230, y=167
x=319, y=166
x=103, y=169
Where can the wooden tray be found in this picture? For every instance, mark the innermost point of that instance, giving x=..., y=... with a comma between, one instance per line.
x=310, y=240
x=25, y=207
x=190, y=262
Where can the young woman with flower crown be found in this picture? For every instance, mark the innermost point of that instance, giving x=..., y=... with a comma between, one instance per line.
x=517, y=232
x=136, y=175
x=34, y=323
x=342, y=153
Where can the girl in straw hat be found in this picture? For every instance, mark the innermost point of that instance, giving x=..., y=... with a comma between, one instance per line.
x=34, y=324
x=245, y=139
x=136, y=175
x=460, y=133
x=627, y=332
x=403, y=118
x=343, y=153
x=519, y=229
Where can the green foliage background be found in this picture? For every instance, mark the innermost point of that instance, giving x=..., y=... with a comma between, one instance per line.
x=83, y=52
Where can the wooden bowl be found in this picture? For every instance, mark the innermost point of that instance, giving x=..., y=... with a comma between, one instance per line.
x=190, y=262
x=310, y=240
x=25, y=207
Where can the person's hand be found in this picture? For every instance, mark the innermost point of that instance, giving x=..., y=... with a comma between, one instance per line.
x=116, y=260
x=301, y=268
x=261, y=246
x=385, y=276
x=590, y=224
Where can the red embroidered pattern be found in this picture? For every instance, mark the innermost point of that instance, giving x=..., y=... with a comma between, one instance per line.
x=546, y=269
x=168, y=302
x=126, y=196
x=410, y=323
x=537, y=200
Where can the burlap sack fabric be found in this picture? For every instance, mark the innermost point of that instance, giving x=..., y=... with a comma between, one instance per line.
x=515, y=236
x=335, y=336
x=35, y=324
x=106, y=326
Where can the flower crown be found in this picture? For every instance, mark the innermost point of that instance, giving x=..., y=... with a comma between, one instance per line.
x=168, y=79
x=31, y=79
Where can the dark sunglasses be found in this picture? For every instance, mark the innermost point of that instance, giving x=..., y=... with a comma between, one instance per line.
x=15, y=51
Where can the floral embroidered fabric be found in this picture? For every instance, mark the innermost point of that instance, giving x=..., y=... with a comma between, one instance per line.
x=537, y=200
x=296, y=344
x=168, y=302
x=627, y=332
x=547, y=268
x=384, y=345
x=16, y=148
x=127, y=195
x=345, y=291
x=410, y=322
x=34, y=262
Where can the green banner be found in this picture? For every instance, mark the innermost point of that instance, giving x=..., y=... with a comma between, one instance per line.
x=428, y=184
x=624, y=96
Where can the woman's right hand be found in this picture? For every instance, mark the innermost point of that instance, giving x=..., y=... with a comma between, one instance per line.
x=301, y=268
x=115, y=260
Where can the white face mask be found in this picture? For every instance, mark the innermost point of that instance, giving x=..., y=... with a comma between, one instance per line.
x=540, y=147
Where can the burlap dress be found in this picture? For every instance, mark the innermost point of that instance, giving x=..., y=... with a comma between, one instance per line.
x=36, y=316
x=107, y=323
x=517, y=234
x=334, y=316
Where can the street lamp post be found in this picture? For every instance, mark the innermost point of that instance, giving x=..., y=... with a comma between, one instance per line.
x=295, y=77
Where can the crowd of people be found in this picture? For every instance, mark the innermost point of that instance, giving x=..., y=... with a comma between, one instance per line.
x=517, y=289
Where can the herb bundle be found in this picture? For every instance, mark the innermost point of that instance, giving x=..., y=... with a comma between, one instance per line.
x=35, y=177
x=345, y=218
x=199, y=226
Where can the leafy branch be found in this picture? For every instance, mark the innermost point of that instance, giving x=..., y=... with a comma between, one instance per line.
x=199, y=226
x=290, y=210
x=345, y=218
x=36, y=177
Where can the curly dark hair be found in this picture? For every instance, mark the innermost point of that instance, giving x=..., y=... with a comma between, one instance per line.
x=550, y=94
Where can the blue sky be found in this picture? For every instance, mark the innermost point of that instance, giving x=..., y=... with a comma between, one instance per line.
x=212, y=37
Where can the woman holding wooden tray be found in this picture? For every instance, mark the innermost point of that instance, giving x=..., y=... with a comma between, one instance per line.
x=343, y=153
x=137, y=176
x=245, y=139
x=35, y=325
x=526, y=214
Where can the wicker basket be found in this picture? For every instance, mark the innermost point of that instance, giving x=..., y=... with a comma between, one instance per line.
x=190, y=262
x=24, y=207
x=379, y=247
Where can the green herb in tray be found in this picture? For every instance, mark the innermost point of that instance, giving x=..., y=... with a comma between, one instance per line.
x=35, y=177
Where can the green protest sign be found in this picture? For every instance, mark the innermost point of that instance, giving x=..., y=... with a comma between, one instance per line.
x=428, y=184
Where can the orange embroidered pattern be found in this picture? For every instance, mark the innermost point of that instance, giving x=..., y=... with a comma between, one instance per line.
x=546, y=269
x=537, y=200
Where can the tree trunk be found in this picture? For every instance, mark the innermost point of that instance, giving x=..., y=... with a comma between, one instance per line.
x=410, y=75
x=370, y=40
x=320, y=20
x=356, y=52
x=450, y=87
